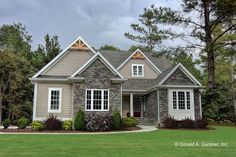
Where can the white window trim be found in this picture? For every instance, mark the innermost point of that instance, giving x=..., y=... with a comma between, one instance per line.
x=49, y=100
x=102, y=107
x=137, y=70
x=185, y=99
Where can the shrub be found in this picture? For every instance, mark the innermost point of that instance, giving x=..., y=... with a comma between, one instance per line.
x=129, y=122
x=67, y=125
x=187, y=123
x=117, y=121
x=228, y=122
x=170, y=123
x=52, y=123
x=22, y=122
x=98, y=122
x=79, y=122
x=211, y=121
x=6, y=123
x=201, y=123
x=37, y=125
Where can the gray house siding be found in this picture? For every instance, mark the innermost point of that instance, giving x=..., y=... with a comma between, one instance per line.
x=97, y=76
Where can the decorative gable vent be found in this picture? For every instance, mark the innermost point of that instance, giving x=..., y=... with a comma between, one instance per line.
x=138, y=55
x=79, y=45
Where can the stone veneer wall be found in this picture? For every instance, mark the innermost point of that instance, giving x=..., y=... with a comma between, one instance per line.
x=178, y=78
x=197, y=108
x=163, y=104
x=150, y=101
x=97, y=76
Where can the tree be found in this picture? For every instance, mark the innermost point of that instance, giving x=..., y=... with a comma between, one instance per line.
x=109, y=47
x=188, y=62
x=45, y=53
x=135, y=47
x=16, y=39
x=201, y=18
x=148, y=32
x=15, y=69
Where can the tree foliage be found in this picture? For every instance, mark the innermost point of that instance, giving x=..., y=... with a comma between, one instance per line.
x=200, y=19
x=148, y=33
x=109, y=47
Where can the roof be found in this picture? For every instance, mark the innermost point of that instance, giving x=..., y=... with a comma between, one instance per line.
x=139, y=84
x=116, y=58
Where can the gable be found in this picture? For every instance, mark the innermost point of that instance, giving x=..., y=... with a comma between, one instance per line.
x=97, y=69
x=79, y=45
x=178, y=78
x=69, y=63
x=149, y=72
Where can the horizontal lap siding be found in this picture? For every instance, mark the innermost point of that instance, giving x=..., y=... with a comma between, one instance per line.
x=148, y=70
x=42, y=100
x=70, y=63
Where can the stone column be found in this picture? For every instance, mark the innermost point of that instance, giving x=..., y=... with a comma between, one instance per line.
x=131, y=105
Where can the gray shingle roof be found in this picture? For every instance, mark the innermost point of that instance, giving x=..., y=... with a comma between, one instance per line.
x=116, y=58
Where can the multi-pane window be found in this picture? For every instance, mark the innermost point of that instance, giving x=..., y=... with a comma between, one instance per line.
x=137, y=70
x=97, y=100
x=54, y=100
x=174, y=100
x=181, y=100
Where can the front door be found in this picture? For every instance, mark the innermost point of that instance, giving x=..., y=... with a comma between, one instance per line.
x=137, y=107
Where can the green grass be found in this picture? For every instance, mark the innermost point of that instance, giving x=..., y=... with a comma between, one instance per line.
x=150, y=144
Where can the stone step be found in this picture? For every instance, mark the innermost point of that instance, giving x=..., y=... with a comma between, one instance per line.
x=144, y=121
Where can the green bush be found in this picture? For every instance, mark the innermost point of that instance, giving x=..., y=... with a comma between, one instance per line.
x=79, y=122
x=6, y=123
x=22, y=123
x=117, y=121
x=129, y=122
x=67, y=125
x=37, y=125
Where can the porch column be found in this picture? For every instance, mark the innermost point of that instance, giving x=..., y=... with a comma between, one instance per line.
x=131, y=105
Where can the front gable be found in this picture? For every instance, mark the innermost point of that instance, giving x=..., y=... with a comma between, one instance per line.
x=97, y=70
x=179, y=75
x=97, y=65
x=138, y=57
x=69, y=60
x=179, y=78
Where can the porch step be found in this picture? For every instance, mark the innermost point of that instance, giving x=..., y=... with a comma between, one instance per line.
x=144, y=121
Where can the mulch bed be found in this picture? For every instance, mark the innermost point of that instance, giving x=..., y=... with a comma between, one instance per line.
x=63, y=131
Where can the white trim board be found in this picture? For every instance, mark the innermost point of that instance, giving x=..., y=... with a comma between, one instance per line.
x=149, y=61
x=61, y=54
x=185, y=71
x=91, y=60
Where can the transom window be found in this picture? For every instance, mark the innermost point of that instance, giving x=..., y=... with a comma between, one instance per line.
x=181, y=100
x=137, y=70
x=54, y=99
x=97, y=100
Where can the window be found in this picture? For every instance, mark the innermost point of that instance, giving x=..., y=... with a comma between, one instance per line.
x=54, y=99
x=181, y=100
x=97, y=100
x=137, y=70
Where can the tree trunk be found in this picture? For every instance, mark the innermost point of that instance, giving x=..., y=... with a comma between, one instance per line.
x=1, y=106
x=232, y=86
x=209, y=47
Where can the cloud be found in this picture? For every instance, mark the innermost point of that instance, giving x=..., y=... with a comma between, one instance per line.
x=98, y=22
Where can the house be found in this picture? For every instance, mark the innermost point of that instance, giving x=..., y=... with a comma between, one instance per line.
x=134, y=83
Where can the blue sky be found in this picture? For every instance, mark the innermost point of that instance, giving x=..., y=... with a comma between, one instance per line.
x=99, y=22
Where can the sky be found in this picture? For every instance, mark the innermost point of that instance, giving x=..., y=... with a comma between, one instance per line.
x=98, y=22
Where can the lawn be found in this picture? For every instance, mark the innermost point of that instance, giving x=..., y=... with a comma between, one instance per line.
x=149, y=144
